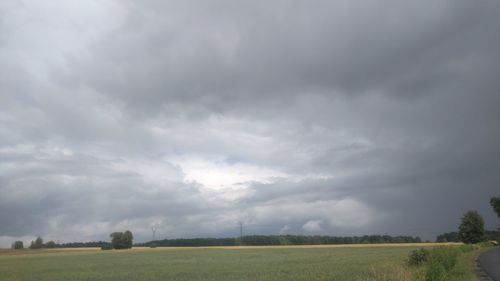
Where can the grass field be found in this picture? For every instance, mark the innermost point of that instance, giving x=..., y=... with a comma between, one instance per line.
x=353, y=262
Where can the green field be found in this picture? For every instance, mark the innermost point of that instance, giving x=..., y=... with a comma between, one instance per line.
x=272, y=263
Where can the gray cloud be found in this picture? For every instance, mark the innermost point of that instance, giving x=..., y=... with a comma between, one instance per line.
x=330, y=117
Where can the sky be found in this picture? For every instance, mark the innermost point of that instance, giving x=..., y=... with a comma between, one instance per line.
x=294, y=117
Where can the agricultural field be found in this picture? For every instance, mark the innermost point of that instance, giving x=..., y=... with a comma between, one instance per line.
x=339, y=262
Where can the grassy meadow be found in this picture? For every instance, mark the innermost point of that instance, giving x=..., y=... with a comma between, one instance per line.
x=353, y=262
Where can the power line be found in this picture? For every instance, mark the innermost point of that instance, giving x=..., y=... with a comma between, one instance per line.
x=241, y=233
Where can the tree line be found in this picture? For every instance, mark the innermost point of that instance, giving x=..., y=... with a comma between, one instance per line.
x=454, y=236
x=36, y=244
x=270, y=240
x=119, y=240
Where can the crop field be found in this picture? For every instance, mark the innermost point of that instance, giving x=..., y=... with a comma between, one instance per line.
x=353, y=262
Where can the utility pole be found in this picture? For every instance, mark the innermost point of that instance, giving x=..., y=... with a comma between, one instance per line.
x=241, y=232
x=154, y=228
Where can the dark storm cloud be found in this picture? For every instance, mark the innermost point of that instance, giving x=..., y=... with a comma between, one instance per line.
x=329, y=117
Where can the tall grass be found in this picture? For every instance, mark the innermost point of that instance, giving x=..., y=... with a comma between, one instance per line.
x=443, y=263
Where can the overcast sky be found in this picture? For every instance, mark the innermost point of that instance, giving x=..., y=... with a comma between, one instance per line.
x=295, y=117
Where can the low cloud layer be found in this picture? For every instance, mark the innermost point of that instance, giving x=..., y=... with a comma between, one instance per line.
x=294, y=117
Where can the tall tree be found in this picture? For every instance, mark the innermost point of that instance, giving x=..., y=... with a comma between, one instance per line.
x=495, y=203
x=472, y=228
x=116, y=240
x=127, y=239
x=18, y=245
x=37, y=244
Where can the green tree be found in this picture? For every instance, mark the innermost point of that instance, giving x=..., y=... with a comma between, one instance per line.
x=17, y=245
x=122, y=240
x=116, y=240
x=471, y=230
x=37, y=244
x=50, y=244
x=495, y=203
x=127, y=239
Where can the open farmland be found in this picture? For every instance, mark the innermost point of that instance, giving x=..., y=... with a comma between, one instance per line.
x=336, y=262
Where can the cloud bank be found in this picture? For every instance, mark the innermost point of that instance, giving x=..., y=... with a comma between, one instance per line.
x=331, y=117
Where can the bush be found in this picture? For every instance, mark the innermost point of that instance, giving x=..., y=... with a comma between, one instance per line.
x=439, y=261
x=446, y=256
x=418, y=257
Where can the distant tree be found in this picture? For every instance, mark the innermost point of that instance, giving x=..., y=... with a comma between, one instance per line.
x=18, y=245
x=448, y=237
x=472, y=228
x=495, y=203
x=50, y=244
x=128, y=239
x=122, y=240
x=37, y=244
x=116, y=240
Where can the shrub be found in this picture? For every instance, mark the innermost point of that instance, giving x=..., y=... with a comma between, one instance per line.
x=418, y=257
x=443, y=263
x=446, y=256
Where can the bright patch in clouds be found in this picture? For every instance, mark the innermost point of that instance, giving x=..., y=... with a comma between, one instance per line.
x=219, y=173
x=313, y=226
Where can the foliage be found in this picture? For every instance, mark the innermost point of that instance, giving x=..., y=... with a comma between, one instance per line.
x=394, y=273
x=418, y=257
x=450, y=263
x=453, y=236
x=466, y=248
x=97, y=244
x=265, y=240
x=18, y=245
x=50, y=244
x=472, y=228
x=495, y=203
x=448, y=237
x=446, y=256
x=106, y=247
x=435, y=272
x=127, y=239
x=122, y=240
x=37, y=244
